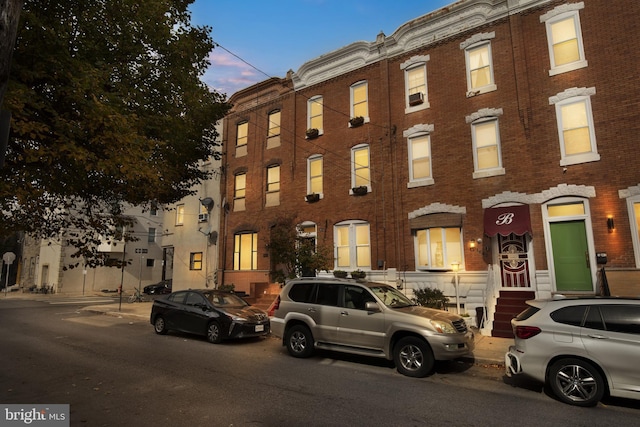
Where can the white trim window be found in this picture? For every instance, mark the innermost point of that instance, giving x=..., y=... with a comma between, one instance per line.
x=360, y=167
x=487, y=156
x=179, y=214
x=242, y=138
x=633, y=205
x=315, y=113
x=419, y=148
x=352, y=245
x=273, y=185
x=479, y=63
x=359, y=94
x=575, y=126
x=438, y=248
x=273, y=133
x=564, y=37
x=415, y=83
x=315, y=166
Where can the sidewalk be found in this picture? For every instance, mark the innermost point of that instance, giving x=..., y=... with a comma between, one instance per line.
x=488, y=350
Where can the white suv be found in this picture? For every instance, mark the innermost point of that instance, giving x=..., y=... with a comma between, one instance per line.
x=366, y=318
x=583, y=348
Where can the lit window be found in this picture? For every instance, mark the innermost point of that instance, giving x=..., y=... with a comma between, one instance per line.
x=195, y=261
x=151, y=237
x=239, y=192
x=633, y=204
x=245, y=251
x=360, y=168
x=352, y=245
x=575, y=126
x=564, y=36
x=273, y=134
x=487, y=157
x=315, y=113
x=273, y=186
x=179, y=214
x=479, y=69
x=415, y=80
x=420, y=158
x=314, y=174
x=438, y=248
x=242, y=136
x=359, y=100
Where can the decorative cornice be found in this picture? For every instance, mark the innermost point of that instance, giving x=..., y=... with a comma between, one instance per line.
x=507, y=197
x=629, y=192
x=567, y=7
x=484, y=112
x=562, y=190
x=441, y=24
x=414, y=60
x=419, y=128
x=477, y=38
x=572, y=92
x=437, y=208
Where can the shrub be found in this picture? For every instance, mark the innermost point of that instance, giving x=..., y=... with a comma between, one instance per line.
x=429, y=297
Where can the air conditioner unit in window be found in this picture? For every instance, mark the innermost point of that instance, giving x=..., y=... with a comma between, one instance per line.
x=416, y=98
x=203, y=217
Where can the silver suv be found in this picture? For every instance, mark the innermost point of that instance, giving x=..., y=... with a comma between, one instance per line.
x=369, y=319
x=583, y=348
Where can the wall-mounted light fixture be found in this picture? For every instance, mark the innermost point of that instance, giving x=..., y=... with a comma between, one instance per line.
x=610, y=224
x=475, y=245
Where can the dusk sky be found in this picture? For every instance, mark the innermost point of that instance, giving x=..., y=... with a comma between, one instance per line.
x=275, y=37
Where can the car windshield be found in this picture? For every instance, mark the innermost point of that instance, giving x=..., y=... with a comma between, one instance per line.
x=391, y=297
x=224, y=300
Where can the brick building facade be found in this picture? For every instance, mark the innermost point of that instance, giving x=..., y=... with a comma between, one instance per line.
x=498, y=135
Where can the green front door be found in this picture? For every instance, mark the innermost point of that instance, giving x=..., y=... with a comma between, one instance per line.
x=571, y=256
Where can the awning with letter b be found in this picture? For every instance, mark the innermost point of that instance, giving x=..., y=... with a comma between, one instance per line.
x=507, y=220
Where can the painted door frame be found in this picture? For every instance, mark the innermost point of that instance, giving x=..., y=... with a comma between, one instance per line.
x=546, y=220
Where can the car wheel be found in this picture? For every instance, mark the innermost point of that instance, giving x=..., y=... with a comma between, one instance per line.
x=160, y=326
x=214, y=333
x=413, y=357
x=576, y=382
x=299, y=341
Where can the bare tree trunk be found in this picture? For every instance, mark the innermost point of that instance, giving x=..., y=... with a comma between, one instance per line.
x=9, y=17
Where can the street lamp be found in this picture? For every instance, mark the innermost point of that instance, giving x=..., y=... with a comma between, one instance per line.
x=456, y=266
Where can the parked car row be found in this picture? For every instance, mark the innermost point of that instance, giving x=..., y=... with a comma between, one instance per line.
x=160, y=288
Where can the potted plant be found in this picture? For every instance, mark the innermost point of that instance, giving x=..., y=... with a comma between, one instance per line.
x=340, y=274
x=356, y=121
x=358, y=274
x=312, y=198
x=360, y=191
x=312, y=133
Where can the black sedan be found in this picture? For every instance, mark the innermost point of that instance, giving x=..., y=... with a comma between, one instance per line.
x=215, y=314
x=163, y=287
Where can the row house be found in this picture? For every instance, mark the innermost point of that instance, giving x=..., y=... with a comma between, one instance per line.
x=487, y=149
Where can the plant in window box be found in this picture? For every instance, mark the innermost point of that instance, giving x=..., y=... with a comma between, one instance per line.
x=312, y=133
x=356, y=121
x=312, y=198
x=340, y=274
x=358, y=274
x=360, y=191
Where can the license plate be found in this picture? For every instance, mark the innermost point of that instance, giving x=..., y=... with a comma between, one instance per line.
x=259, y=328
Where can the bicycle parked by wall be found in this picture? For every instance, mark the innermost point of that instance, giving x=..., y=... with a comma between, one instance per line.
x=136, y=297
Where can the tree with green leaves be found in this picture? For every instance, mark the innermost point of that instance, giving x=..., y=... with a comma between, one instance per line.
x=293, y=254
x=108, y=110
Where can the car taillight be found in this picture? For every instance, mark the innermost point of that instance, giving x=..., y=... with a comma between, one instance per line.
x=274, y=306
x=525, y=332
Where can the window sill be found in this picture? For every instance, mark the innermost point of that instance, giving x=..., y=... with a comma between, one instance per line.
x=479, y=91
x=580, y=158
x=420, y=183
x=412, y=109
x=489, y=173
x=568, y=67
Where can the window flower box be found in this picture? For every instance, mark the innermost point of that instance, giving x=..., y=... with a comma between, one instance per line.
x=312, y=133
x=312, y=198
x=356, y=121
x=340, y=274
x=360, y=191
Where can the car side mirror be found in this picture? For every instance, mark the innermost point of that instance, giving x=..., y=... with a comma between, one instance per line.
x=371, y=306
